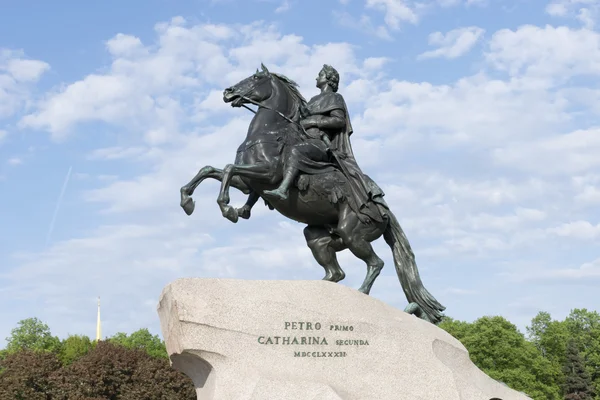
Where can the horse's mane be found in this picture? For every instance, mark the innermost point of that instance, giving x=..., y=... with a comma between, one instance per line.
x=292, y=87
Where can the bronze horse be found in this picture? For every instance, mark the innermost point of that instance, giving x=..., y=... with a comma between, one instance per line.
x=319, y=201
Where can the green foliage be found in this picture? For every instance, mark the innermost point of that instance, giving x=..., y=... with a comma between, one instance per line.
x=501, y=351
x=577, y=385
x=549, y=336
x=534, y=366
x=458, y=329
x=75, y=347
x=584, y=329
x=32, y=334
x=143, y=340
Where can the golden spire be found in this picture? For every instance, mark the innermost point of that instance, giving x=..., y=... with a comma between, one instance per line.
x=98, y=324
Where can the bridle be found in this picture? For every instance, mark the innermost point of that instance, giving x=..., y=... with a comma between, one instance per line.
x=259, y=104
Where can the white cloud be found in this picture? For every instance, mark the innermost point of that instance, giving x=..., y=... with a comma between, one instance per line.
x=26, y=70
x=135, y=251
x=586, y=11
x=375, y=63
x=454, y=43
x=395, y=12
x=588, y=272
x=14, y=161
x=452, y=3
x=577, y=151
x=491, y=222
x=363, y=24
x=558, y=8
x=285, y=6
x=116, y=153
x=398, y=12
x=137, y=91
x=583, y=230
x=126, y=46
x=401, y=108
x=145, y=87
x=550, y=54
x=458, y=291
x=17, y=73
x=589, y=194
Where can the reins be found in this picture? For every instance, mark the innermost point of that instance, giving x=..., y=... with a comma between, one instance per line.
x=256, y=103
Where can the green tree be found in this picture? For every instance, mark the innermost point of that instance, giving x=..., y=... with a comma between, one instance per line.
x=501, y=351
x=578, y=385
x=75, y=347
x=549, y=336
x=584, y=329
x=458, y=329
x=142, y=339
x=32, y=334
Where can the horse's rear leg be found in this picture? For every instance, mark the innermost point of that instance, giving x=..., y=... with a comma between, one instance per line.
x=261, y=172
x=324, y=246
x=357, y=237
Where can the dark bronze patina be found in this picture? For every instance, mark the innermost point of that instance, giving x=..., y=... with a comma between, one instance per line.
x=298, y=158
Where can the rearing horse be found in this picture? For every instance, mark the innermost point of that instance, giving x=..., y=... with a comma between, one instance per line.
x=322, y=204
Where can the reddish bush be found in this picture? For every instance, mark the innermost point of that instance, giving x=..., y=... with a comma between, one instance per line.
x=108, y=372
x=26, y=375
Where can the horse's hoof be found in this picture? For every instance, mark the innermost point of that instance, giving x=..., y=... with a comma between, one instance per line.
x=414, y=309
x=363, y=290
x=188, y=205
x=243, y=213
x=339, y=276
x=231, y=214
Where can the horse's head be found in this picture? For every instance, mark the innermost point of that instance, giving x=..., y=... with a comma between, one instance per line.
x=256, y=88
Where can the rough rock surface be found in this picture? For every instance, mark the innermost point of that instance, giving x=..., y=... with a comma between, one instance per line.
x=235, y=339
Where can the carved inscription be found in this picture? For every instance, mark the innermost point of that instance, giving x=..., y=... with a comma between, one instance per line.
x=325, y=341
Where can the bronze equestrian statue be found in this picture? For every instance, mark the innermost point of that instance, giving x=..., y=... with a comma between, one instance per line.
x=298, y=158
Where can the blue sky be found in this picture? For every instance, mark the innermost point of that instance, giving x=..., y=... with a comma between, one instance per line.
x=478, y=118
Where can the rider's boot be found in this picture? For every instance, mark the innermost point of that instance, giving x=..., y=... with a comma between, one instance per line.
x=282, y=191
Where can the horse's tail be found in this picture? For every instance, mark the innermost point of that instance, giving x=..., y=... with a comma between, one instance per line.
x=406, y=268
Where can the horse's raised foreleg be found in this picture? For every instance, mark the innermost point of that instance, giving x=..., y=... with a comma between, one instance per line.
x=214, y=173
x=263, y=172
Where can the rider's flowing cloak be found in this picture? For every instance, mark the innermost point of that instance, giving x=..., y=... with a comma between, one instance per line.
x=365, y=192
